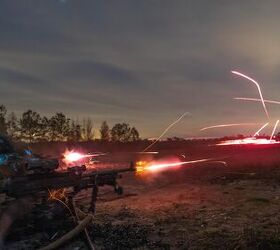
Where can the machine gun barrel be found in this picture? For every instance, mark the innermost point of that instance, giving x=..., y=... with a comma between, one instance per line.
x=76, y=177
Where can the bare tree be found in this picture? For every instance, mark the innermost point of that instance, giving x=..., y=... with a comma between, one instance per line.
x=3, y=124
x=75, y=132
x=104, y=131
x=87, y=129
x=44, y=131
x=12, y=126
x=134, y=134
x=59, y=126
x=30, y=126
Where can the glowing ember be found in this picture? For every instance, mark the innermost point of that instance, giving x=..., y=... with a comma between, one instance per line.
x=274, y=129
x=59, y=195
x=73, y=156
x=229, y=125
x=256, y=100
x=143, y=166
x=149, y=152
x=258, y=86
x=70, y=157
x=248, y=141
x=258, y=132
x=166, y=130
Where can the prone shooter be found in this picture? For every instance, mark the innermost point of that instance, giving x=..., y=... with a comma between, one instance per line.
x=26, y=178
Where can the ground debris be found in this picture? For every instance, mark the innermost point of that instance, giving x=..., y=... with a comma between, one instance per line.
x=120, y=236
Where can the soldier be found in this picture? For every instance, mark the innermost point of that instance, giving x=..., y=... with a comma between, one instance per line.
x=11, y=164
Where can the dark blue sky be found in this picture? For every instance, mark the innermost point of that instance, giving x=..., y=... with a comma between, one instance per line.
x=144, y=62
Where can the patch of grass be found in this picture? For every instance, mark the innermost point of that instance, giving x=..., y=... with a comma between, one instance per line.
x=258, y=200
x=255, y=239
x=125, y=213
x=120, y=236
x=215, y=239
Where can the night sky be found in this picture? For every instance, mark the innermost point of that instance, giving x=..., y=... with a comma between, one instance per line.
x=144, y=62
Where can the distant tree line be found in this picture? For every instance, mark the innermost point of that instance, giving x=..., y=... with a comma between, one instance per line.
x=32, y=127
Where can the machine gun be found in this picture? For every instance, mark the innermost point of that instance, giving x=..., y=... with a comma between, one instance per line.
x=32, y=176
x=75, y=178
x=48, y=178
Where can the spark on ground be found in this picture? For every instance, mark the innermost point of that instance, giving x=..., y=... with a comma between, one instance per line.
x=248, y=141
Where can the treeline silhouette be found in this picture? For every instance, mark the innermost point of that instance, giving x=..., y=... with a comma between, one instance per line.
x=32, y=127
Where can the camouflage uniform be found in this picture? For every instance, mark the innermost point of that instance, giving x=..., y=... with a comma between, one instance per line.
x=11, y=163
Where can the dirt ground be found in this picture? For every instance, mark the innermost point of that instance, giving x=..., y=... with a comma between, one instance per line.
x=206, y=206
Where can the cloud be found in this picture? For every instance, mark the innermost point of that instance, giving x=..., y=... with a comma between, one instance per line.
x=95, y=72
x=139, y=60
x=15, y=77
